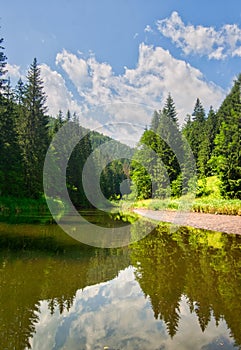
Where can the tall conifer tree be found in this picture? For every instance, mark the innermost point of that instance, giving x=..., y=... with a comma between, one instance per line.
x=32, y=131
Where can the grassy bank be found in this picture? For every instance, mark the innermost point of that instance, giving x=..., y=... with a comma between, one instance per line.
x=210, y=201
x=201, y=205
x=26, y=210
x=12, y=205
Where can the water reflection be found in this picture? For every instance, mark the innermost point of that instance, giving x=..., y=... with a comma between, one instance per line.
x=117, y=314
x=167, y=291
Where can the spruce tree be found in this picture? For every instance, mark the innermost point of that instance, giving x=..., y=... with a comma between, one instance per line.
x=32, y=129
x=227, y=155
x=207, y=144
x=170, y=109
x=194, y=128
x=226, y=160
x=230, y=103
x=3, y=71
x=157, y=152
x=170, y=141
x=155, y=121
x=19, y=92
x=76, y=163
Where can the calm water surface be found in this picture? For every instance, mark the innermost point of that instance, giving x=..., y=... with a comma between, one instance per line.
x=178, y=290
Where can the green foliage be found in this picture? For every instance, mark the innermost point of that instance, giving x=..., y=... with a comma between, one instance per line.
x=155, y=163
x=32, y=132
x=194, y=129
x=3, y=62
x=227, y=155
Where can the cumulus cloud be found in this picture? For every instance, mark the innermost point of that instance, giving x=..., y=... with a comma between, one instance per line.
x=200, y=40
x=13, y=71
x=60, y=98
x=100, y=96
x=156, y=74
x=75, y=67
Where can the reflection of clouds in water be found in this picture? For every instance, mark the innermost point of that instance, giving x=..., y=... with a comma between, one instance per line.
x=117, y=314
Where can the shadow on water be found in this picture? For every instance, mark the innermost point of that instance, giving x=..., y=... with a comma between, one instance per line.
x=40, y=263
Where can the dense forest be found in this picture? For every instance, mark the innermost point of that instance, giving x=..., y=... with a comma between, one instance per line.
x=215, y=142
x=156, y=170
x=26, y=133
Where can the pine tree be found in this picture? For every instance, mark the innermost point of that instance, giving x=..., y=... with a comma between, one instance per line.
x=194, y=129
x=7, y=135
x=170, y=109
x=155, y=121
x=3, y=71
x=226, y=159
x=76, y=163
x=199, y=112
x=227, y=155
x=157, y=152
x=170, y=148
x=19, y=92
x=230, y=103
x=32, y=129
x=10, y=160
x=207, y=144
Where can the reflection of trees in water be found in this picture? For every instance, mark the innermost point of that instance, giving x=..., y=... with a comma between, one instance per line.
x=27, y=279
x=161, y=275
x=204, y=266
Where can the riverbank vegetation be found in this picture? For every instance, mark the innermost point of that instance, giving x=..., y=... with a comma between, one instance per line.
x=210, y=202
x=211, y=171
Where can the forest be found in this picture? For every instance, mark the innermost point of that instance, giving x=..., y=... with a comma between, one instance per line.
x=158, y=168
x=26, y=133
x=214, y=139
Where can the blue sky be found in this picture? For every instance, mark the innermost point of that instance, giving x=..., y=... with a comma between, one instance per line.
x=96, y=52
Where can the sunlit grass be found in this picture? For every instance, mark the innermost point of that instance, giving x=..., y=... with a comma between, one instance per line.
x=201, y=205
x=210, y=201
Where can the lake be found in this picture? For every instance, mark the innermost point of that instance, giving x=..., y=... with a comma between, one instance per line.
x=170, y=290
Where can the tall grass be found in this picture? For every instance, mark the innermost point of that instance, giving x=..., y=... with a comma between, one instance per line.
x=210, y=200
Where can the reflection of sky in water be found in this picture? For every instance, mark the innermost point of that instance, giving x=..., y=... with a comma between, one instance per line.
x=116, y=314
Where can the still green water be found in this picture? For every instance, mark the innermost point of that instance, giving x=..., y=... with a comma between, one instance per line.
x=179, y=290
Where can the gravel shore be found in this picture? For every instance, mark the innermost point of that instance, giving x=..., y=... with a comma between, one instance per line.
x=220, y=223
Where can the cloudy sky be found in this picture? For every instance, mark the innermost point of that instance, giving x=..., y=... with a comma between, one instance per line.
x=116, y=61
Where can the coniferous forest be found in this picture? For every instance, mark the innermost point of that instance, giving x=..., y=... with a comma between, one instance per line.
x=26, y=131
x=214, y=138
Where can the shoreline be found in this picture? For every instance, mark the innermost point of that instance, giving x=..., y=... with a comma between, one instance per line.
x=214, y=222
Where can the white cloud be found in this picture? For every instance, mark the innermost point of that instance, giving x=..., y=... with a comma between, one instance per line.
x=148, y=29
x=130, y=97
x=60, y=98
x=75, y=67
x=14, y=72
x=200, y=40
x=102, y=97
